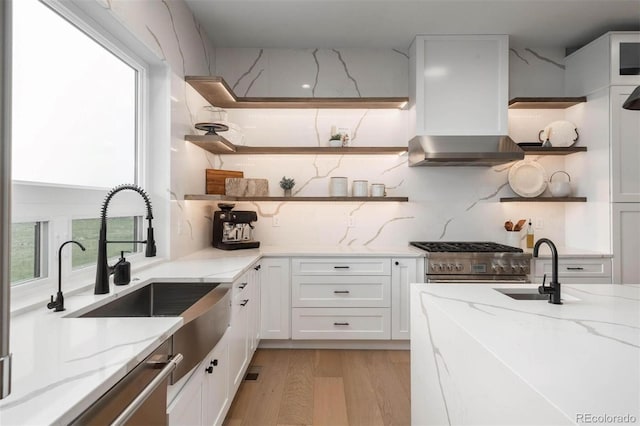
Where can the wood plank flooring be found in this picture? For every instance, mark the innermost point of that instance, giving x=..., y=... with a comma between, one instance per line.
x=324, y=387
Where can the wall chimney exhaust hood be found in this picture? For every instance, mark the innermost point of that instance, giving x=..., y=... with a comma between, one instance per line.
x=463, y=151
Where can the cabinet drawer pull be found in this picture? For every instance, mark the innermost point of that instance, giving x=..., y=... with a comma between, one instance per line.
x=241, y=286
x=341, y=291
x=575, y=268
x=340, y=267
x=340, y=323
x=244, y=302
x=257, y=268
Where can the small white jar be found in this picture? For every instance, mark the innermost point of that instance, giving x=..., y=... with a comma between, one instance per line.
x=378, y=190
x=338, y=186
x=360, y=188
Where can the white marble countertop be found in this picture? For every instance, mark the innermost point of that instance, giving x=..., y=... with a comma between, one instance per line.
x=579, y=358
x=353, y=251
x=570, y=252
x=61, y=364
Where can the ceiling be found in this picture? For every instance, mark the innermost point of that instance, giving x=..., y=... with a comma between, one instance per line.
x=394, y=23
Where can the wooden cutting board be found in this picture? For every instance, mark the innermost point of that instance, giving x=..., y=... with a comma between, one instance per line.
x=215, y=179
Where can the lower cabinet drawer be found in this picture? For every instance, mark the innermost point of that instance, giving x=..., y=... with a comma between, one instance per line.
x=341, y=292
x=575, y=267
x=341, y=323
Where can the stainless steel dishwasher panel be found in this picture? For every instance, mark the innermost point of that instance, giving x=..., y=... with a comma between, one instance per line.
x=153, y=411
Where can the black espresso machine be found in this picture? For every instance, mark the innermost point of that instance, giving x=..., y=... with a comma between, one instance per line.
x=232, y=229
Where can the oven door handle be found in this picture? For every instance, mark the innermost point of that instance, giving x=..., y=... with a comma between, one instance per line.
x=477, y=281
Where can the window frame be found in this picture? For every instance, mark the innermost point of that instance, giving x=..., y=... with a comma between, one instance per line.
x=87, y=199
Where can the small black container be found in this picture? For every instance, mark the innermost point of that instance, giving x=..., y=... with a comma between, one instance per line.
x=122, y=271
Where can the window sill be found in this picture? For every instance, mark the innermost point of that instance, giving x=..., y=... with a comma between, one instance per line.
x=37, y=295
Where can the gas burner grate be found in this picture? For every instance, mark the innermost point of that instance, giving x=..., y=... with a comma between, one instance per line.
x=464, y=247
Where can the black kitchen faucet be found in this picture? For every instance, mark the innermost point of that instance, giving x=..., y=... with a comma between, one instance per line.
x=103, y=269
x=553, y=289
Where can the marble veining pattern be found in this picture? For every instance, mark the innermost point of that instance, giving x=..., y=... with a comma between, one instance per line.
x=248, y=71
x=518, y=55
x=438, y=360
x=439, y=197
x=544, y=58
x=346, y=70
x=582, y=322
x=508, y=338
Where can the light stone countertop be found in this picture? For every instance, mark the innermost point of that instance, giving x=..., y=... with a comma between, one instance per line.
x=570, y=252
x=62, y=364
x=480, y=357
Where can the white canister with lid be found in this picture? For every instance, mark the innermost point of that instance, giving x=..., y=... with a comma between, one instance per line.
x=378, y=190
x=360, y=188
x=338, y=186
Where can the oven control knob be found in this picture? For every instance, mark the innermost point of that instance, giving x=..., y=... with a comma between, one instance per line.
x=514, y=268
x=450, y=267
x=494, y=267
x=459, y=267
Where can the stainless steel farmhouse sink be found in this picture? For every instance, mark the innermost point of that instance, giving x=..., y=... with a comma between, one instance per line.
x=204, y=307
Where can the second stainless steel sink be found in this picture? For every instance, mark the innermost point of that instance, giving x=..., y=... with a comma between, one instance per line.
x=204, y=307
x=528, y=294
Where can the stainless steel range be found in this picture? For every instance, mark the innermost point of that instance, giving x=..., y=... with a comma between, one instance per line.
x=474, y=262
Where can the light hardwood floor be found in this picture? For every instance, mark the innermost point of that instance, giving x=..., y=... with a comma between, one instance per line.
x=325, y=387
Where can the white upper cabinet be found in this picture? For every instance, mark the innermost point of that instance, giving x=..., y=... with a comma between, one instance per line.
x=613, y=59
x=459, y=85
x=625, y=148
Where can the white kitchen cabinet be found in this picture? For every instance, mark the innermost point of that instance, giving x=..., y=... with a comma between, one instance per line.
x=255, y=275
x=625, y=148
x=204, y=397
x=275, y=298
x=340, y=298
x=215, y=389
x=404, y=271
x=341, y=291
x=611, y=59
x=574, y=270
x=626, y=243
x=458, y=85
x=340, y=266
x=186, y=408
x=239, y=334
x=341, y=323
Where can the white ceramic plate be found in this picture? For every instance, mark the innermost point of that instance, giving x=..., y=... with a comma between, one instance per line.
x=527, y=178
x=561, y=133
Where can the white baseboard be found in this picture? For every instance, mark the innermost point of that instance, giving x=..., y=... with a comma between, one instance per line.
x=335, y=344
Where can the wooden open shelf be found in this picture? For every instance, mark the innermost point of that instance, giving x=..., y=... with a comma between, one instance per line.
x=206, y=197
x=551, y=199
x=218, y=93
x=538, y=150
x=219, y=145
x=545, y=103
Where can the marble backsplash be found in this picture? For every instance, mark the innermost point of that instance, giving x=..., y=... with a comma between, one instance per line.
x=445, y=203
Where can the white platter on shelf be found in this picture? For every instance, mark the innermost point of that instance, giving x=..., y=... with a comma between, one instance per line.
x=527, y=178
x=561, y=134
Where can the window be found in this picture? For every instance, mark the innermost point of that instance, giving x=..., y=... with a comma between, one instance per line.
x=74, y=104
x=86, y=232
x=27, y=251
x=77, y=111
